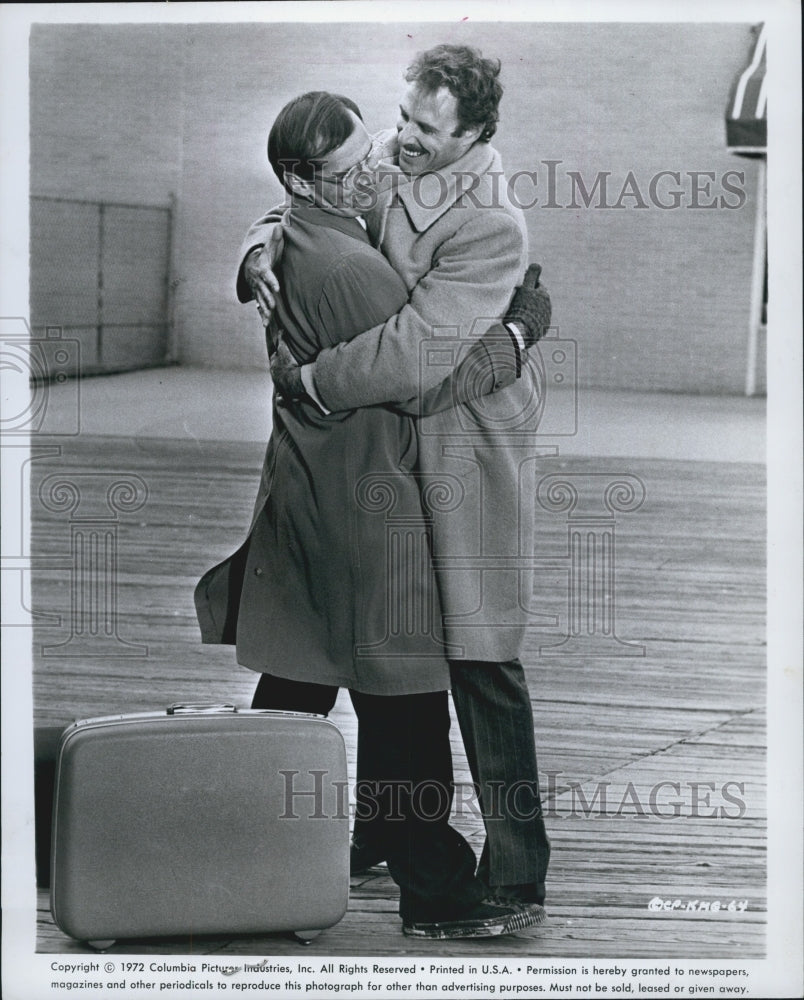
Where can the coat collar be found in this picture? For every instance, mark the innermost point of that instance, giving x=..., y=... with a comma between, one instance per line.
x=427, y=197
x=319, y=217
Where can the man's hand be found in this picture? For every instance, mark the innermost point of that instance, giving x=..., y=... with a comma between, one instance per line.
x=259, y=274
x=530, y=307
x=286, y=373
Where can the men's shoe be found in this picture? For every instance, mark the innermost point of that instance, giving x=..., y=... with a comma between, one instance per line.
x=363, y=855
x=491, y=917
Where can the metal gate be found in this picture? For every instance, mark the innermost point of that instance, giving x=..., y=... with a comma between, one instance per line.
x=100, y=271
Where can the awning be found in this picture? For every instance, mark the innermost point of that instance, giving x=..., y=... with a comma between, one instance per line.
x=747, y=114
x=747, y=135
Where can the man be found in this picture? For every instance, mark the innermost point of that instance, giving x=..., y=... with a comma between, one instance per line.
x=305, y=596
x=459, y=246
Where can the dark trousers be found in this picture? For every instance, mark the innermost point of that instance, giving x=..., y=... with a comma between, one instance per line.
x=46, y=751
x=404, y=791
x=492, y=704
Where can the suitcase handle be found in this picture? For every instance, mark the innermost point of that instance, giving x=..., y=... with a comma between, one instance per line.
x=199, y=708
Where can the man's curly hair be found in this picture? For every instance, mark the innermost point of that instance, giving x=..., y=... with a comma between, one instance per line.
x=471, y=79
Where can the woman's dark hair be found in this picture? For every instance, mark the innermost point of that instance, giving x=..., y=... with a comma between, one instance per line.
x=471, y=79
x=306, y=129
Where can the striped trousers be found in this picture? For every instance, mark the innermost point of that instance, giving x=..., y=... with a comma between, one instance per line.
x=492, y=704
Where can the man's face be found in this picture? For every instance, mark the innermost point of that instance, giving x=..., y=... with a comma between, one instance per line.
x=428, y=121
x=344, y=183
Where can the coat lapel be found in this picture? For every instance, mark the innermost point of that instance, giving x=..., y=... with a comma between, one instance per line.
x=427, y=197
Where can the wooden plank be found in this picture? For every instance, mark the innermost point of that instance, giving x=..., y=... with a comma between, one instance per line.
x=689, y=586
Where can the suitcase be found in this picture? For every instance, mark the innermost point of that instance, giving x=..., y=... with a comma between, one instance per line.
x=199, y=820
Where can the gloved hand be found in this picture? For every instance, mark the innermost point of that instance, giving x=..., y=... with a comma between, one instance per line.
x=530, y=308
x=286, y=374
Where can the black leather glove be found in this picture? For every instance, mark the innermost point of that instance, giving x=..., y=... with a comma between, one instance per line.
x=530, y=308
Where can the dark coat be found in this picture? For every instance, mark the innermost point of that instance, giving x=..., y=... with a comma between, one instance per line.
x=334, y=584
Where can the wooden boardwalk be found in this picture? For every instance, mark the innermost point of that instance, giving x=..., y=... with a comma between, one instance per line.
x=653, y=766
